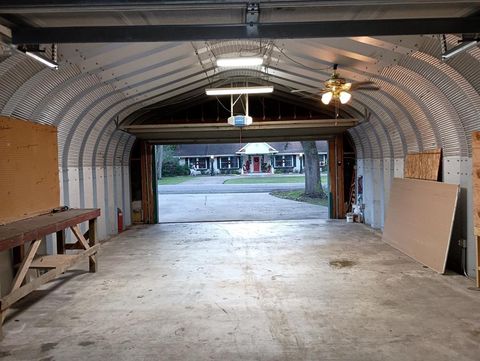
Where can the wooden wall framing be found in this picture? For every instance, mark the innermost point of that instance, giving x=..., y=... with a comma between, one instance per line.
x=149, y=183
x=336, y=177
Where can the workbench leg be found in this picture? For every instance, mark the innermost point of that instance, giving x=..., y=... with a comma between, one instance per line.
x=61, y=242
x=25, y=266
x=92, y=240
x=18, y=254
x=2, y=317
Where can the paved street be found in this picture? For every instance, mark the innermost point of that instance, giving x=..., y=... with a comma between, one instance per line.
x=187, y=188
x=207, y=199
x=209, y=185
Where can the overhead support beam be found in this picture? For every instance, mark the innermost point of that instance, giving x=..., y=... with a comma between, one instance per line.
x=71, y=6
x=294, y=30
x=311, y=129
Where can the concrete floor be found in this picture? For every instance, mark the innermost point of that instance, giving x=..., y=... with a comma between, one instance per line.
x=234, y=207
x=286, y=290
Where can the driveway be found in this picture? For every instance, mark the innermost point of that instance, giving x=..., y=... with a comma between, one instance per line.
x=207, y=199
x=234, y=207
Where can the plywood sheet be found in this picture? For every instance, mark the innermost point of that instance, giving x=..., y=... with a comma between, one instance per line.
x=29, y=183
x=419, y=220
x=425, y=165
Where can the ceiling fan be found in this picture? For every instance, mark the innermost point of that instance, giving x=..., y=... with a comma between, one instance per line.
x=337, y=88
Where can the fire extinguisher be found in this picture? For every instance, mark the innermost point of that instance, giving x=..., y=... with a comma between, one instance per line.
x=120, y=220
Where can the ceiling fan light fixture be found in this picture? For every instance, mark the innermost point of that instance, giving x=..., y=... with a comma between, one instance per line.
x=239, y=62
x=344, y=97
x=327, y=98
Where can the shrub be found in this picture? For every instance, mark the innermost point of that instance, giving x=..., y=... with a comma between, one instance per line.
x=171, y=168
x=230, y=171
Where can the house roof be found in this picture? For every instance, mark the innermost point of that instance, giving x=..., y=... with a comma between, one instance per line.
x=257, y=148
x=203, y=150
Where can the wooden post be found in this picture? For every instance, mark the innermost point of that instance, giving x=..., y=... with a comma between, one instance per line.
x=336, y=176
x=148, y=201
x=92, y=241
x=61, y=242
x=332, y=177
x=340, y=176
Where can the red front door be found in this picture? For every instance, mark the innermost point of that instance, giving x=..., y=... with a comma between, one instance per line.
x=256, y=164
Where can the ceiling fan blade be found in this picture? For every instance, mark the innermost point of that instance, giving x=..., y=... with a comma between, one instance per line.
x=359, y=84
x=304, y=90
x=310, y=96
x=370, y=88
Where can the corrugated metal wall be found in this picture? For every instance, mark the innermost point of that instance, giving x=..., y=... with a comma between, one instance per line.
x=93, y=154
x=436, y=105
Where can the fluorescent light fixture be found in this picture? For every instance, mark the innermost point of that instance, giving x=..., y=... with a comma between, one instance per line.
x=459, y=49
x=327, y=97
x=237, y=91
x=344, y=97
x=41, y=59
x=238, y=62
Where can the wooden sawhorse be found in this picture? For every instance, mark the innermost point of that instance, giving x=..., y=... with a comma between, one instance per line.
x=34, y=230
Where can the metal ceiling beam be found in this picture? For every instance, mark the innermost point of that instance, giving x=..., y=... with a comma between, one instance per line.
x=54, y=6
x=320, y=29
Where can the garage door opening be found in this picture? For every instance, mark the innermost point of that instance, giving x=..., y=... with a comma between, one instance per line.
x=250, y=181
x=241, y=182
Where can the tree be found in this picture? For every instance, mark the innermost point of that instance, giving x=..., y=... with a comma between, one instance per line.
x=313, y=180
x=159, y=155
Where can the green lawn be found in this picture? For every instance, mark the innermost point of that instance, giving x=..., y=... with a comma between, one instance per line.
x=173, y=180
x=299, y=196
x=266, y=179
x=271, y=179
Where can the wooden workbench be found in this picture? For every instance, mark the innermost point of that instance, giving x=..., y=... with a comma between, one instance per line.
x=34, y=230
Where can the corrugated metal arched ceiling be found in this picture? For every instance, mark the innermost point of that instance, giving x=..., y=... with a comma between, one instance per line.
x=423, y=103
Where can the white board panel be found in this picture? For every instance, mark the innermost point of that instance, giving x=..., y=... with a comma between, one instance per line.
x=419, y=220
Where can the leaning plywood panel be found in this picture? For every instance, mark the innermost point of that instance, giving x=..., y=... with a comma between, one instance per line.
x=425, y=165
x=29, y=183
x=419, y=220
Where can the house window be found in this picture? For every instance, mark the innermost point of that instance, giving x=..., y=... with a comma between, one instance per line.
x=229, y=163
x=284, y=161
x=198, y=163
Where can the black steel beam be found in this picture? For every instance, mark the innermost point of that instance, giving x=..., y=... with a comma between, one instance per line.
x=56, y=6
x=322, y=29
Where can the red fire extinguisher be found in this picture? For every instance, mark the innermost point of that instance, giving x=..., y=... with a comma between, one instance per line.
x=120, y=220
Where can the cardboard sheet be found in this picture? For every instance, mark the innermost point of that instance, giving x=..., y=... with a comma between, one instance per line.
x=419, y=220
